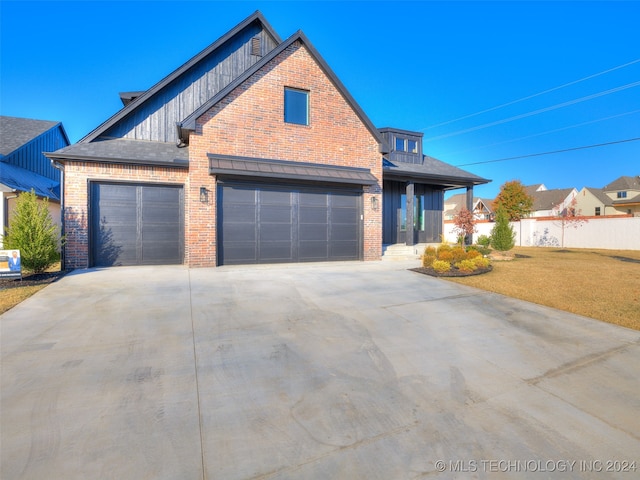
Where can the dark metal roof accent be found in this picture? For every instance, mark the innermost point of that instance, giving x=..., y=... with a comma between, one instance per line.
x=255, y=17
x=431, y=170
x=128, y=97
x=126, y=151
x=189, y=123
x=283, y=169
x=23, y=180
x=16, y=132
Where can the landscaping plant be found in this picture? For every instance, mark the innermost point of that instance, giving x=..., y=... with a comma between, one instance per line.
x=464, y=225
x=514, y=200
x=502, y=234
x=33, y=232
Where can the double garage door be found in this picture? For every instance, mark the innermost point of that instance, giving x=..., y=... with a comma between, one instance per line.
x=143, y=224
x=136, y=224
x=273, y=224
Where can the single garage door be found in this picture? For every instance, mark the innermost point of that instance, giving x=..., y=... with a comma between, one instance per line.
x=136, y=224
x=273, y=224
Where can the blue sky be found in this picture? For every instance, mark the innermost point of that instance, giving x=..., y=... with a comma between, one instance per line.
x=565, y=75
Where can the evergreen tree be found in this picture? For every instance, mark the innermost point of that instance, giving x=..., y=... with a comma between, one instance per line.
x=33, y=232
x=502, y=234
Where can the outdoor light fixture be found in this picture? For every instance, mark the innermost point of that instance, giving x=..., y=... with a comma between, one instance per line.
x=374, y=204
x=204, y=195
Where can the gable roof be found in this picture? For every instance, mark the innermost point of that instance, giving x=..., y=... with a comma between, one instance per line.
x=189, y=123
x=16, y=132
x=23, y=180
x=623, y=183
x=600, y=195
x=135, y=99
x=549, y=199
x=431, y=170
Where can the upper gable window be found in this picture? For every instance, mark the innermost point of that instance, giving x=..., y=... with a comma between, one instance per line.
x=296, y=106
x=256, y=46
x=622, y=194
x=406, y=145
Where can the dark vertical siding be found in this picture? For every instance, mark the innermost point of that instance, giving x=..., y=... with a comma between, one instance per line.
x=156, y=119
x=30, y=156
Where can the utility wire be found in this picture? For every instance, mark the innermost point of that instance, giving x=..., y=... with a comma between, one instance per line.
x=546, y=132
x=552, y=152
x=531, y=96
x=536, y=112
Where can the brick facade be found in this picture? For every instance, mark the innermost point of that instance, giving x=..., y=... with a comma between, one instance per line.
x=249, y=122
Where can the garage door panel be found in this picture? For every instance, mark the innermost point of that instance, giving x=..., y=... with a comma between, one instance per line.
x=292, y=224
x=241, y=231
x=134, y=224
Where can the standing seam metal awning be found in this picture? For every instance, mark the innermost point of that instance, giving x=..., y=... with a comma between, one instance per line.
x=265, y=168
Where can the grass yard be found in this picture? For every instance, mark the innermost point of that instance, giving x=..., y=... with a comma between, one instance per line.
x=12, y=292
x=601, y=284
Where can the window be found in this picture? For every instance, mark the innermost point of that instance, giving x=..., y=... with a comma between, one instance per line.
x=597, y=211
x=296, y=106
x=406, y=145
x=622, y=194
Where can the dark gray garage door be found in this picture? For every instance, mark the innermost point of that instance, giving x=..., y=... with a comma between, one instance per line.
x=270, y=224
x=136, y=224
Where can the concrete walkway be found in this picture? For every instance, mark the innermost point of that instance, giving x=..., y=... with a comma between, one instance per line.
x=321, y=371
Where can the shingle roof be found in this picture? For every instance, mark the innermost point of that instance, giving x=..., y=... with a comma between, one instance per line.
x=434, y=170
x=548, y=199
x=120, y=150
x=623, y=183
x=600, y=195
x=15, y=132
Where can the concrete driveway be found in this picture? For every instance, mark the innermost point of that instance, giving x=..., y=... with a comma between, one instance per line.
x=321, y=371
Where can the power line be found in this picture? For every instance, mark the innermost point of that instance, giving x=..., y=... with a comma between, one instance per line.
x=552, y=152
x=536, y=112
x=531, y=96
x=546, y=132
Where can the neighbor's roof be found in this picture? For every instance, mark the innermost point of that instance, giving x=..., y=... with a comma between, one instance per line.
x=623, y=183
x=548, y=199
x=23, y=180
x=16, y=132
x=433, y=170
x=121, y=150
x=600, y=195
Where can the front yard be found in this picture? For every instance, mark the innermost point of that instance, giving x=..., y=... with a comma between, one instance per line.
x=601, y=284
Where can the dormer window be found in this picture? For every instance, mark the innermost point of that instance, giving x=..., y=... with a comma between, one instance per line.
x=406, y=145
x=622, y=194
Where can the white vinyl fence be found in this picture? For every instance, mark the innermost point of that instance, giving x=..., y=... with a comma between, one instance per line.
x=612, y=232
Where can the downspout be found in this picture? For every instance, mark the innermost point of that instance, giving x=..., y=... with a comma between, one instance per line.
x=59, y=166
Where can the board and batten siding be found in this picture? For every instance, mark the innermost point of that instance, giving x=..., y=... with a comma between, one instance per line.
x=156, y=119
x=30, y=157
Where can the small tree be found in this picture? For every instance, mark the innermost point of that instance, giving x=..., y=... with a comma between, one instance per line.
x=465, y=224
x=570, y=216
x=33, y=232
x=514, y=199
x=502, y=234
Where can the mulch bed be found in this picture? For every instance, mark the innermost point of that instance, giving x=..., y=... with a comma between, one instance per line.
x=451, y=273
x=31, y=279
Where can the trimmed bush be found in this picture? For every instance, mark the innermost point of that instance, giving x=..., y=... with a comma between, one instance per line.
x=484, y=240
x=446, y=255
x=427, y=260
x=441, y=266
x=471, y=254
x=458, y=254
x=466, y=266
x=481, y=262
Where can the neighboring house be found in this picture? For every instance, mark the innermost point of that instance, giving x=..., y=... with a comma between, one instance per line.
x=253, y=151
x=594, y=202
x=624, y=194
x=24, y=167
x=482, y=207
x=550, y=203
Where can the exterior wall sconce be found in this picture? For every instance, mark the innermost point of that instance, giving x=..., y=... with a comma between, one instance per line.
x=204, y=195
x=374, y=204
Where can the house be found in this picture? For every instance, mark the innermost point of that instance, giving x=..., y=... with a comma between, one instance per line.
x=482, y=207
x=23, y=166
x=253, y=151
x=594, y=202
x=550, y=203
x=624, y=194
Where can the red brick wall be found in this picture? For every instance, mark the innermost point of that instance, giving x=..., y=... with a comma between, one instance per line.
x=250, y=122
x=76, y=199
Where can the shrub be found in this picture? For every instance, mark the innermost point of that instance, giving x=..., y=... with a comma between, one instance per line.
x=502, y=235
x=480, y=249
x=459, y=254
x=466, y=266
x=33, y=233
x=472, y=253
x=444, y=247
x=430, y=251
x=427, y=260
x=446, y=255
x=484, y=240
x=480, y=262
x=441, y=266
